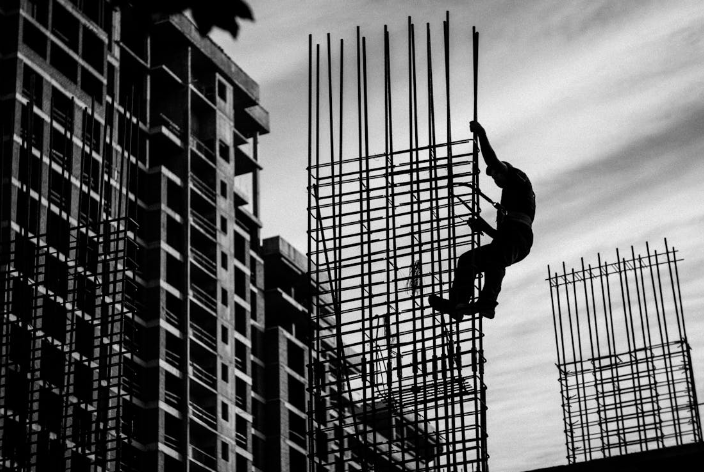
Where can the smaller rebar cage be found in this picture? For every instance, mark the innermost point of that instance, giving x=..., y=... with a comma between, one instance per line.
x=624, y=362
x=393, y=385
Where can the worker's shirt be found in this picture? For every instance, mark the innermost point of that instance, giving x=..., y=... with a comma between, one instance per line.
x=517, y=198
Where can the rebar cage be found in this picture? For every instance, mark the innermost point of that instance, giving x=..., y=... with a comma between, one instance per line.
x=393, y=385
x=624, y=362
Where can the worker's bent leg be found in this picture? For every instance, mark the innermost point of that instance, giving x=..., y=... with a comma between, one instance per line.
x=493, y=277
x=468, y=265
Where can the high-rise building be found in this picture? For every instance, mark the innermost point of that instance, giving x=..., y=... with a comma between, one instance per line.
x=287, y=340
x=129, y=230
x=339, y=433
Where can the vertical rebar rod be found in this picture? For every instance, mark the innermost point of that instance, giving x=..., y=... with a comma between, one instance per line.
x=334, y=265
x=81, y=179
x=40, y=180
x=413, y=156
x=618, y=398
x=313, y=365
x=70, y=319
x=475, y=242
x=364, y=294
x=26, y=146
x=634, y=366
x=646, y=342
x=677, y=306
x=448, y=406
x=388, y=275
x=607, y=447
x=318, y=233
x=437, y=241
x=559, y=348
x=668, y=358
x=591, y=340
x=573, y=354
x=121, y=243
x=66, y=170
x=696, y=419
x=370, y=265
x=27, y=230
x=579, y=374
x=649, y=340
x=602, y=413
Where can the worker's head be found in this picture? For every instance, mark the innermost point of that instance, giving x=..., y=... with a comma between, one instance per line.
x=497, y=174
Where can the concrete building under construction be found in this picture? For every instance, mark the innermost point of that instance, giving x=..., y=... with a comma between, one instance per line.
x=129, y=230
x=293, y=442
x=135, y=333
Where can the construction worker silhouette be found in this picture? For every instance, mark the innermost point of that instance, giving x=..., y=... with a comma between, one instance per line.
x=511, y=239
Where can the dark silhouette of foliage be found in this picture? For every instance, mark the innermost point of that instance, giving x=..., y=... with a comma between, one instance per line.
x=206, y=13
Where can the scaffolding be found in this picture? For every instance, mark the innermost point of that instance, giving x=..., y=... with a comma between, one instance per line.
x=624, y=362
x=68, y=293
x=393, y=385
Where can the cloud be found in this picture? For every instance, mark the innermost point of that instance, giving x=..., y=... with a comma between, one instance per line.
x=575, y=96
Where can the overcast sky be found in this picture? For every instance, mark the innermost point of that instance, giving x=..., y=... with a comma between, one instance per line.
x=600, y=103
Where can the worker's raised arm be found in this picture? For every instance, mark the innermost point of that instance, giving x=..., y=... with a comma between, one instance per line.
x=488, y=153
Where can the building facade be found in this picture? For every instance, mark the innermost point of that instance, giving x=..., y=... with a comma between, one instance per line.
x=287, y=340
x=129, y=229
x=311, y=419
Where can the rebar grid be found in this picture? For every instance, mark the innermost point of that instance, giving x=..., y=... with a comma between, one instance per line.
x=394, y=386
x=624, y=362
x=68, y=295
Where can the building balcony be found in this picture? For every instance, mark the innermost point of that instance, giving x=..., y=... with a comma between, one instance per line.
x=62, y=118
x=241, y=196
x=204, y=298
x=172, y=399
x=245, y=163
x=206, y=226
x=298, y=438
x=208, y=418
x=204, y=458
x=203, y=336
x=164, y=72
x=202, y=367
x=204, y=261
x=205, y=150
x=203, y=188
x=171, y=317
x=238, y=138
x=205, y=88
x=203, y=376
x=254, y=119
x=172, y=442
x=241, y=440
x=172, y=358
x=131, y=386
x=285, y=307
x=169, y=132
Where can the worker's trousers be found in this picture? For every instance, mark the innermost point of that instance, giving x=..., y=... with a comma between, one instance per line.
x=512, y=244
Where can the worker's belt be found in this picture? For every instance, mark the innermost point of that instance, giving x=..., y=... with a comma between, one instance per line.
x=518, y=217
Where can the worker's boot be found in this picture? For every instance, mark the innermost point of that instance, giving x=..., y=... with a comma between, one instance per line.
x=440, y=304
x=458, y=310
x=485, y=309
x=455, y=310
